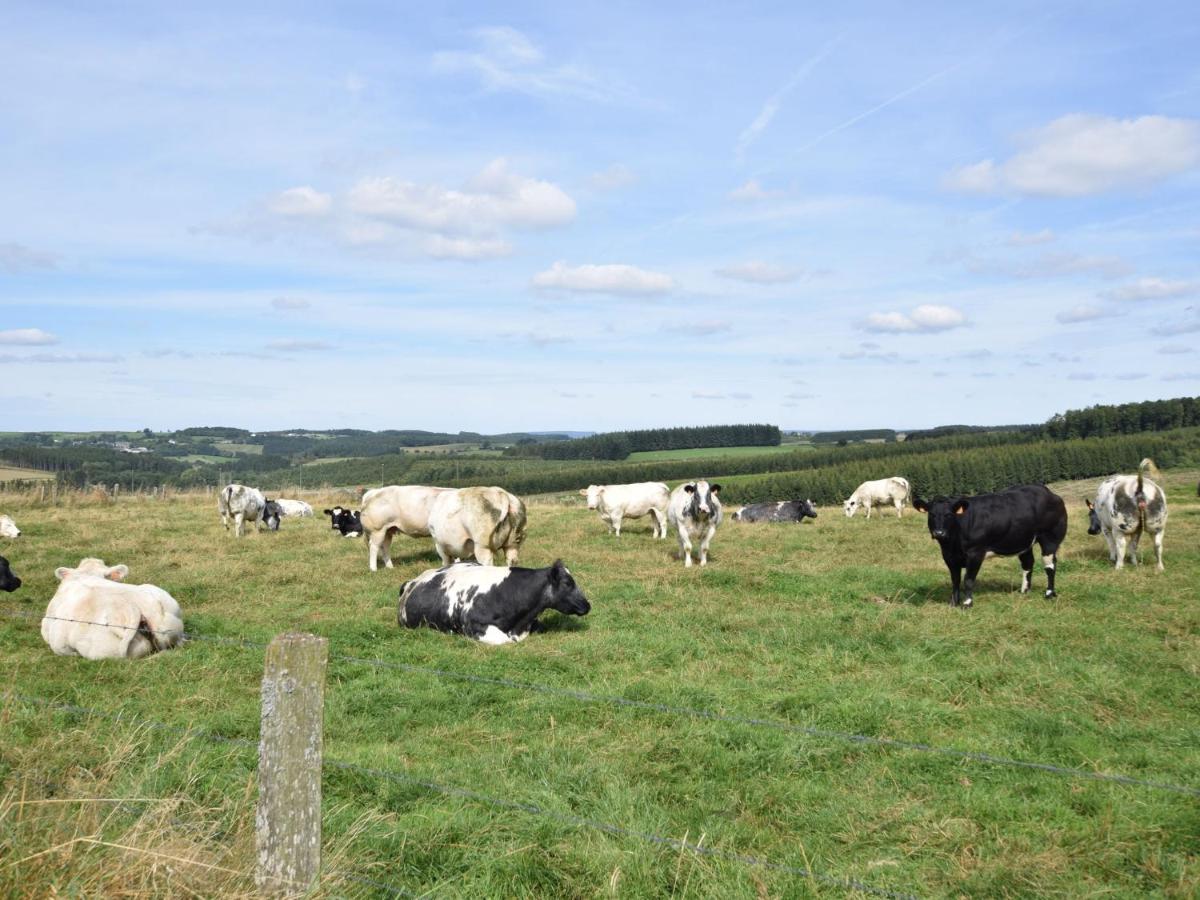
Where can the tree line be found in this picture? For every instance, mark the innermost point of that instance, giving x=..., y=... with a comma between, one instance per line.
x=617, y=445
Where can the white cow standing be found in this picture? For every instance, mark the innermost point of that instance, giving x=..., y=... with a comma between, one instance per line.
x=894, y=491
x=695, y=510
x=95, y=615
x=615, y=502
x=479, y=522
x=238, y=503
x=1127, y=505
x=8, y=528
x=394, y=509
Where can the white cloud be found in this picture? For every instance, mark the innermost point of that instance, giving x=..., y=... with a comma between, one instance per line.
x=297, y=345
x=27, y=337
x=440, y=247
x=751, y=192
x=494, y=198
x=54, y=358
x=1081, y=376
x=614, y=177
x=17, y=258
x=1025, y=239
x=1153, y=289
x=1050, y=265
x=752, y=131
x=1079, y=155
x=759, y=272
x=1182, y=376
x=1180, y=326
x=290, y=303
x=1084, y=312
x=718, y=395
x=507, y=60
x=300, y=203
x=928, y=317
x=605, y=279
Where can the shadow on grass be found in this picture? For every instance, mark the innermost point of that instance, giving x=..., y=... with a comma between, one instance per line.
x=556, y=621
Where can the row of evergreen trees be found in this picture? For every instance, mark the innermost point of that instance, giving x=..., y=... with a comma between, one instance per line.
x=616, y=445
x=1126, y=418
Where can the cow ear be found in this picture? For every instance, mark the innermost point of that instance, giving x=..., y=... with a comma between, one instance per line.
x=117, y=573
x=1090, y=506
x=62, y=572
x=582, y=492
x=689, y=489
x=558, y=571
x=919, y=505
x=960, y=507
x=715, y=489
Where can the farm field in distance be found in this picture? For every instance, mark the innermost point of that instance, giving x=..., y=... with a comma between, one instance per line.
x=839, y=625
x=701, y=452
x=18, y=473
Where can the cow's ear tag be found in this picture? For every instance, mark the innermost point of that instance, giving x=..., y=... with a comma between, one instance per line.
x=961, y=511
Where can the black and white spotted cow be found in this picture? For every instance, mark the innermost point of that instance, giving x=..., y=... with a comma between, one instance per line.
x=8, y=578
x=782, y=511
x=1007, y=523
x=1126, y=506
x=239, y=504
x=695, y=511
x=491, y=604
x=346, y=522
x=271, y=513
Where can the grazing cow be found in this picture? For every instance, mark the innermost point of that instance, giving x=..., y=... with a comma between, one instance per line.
x=492, y=604
x=783, y=511
x=346, y=522
x=479, y=522
x=94, y=615
x=8, y=578
x=294, y=508
x=272, y=512
x=1127, y=505
x=1007, y=523
x=615, y=502
x=394, y=509
x=8, y=528
x=695, y=510
x=895, y=491
x=239, y=503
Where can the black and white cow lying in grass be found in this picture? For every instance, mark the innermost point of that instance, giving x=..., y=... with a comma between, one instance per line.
x=346, y=522
x=492, y=604
x=8, y=578
x=782, y=511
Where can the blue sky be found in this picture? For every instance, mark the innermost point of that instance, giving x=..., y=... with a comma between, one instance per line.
x=597, y=216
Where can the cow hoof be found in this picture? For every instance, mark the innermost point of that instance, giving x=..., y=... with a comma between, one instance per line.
x=968, y=602
x=1050, y=595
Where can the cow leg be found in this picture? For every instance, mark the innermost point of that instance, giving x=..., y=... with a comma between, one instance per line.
x=512, y=555
x=1133, y=545
x=1026, y=560
x=1158, y=539
x=615, y=519
x=899, y=509
x=375, y=550
x=955, y=583
x=685, y=545
x=239, y=524
x=973, y=563
x=868, y=506
x=483, y=555
x=660, y=523
x=441, y=552
x=1112, y=545
x=1050, y=563
x=1119, y=542
x=385, y=548
x=708, y=536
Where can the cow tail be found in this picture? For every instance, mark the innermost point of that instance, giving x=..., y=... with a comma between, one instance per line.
x=146, y=631
x=1143, y=466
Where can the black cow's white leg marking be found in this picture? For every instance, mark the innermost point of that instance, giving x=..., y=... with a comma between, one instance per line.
x=1049, y=562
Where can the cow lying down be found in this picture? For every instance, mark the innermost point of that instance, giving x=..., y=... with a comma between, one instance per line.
x=8, y=578
x=492, y=604
x=781, y=511
x=109, y=619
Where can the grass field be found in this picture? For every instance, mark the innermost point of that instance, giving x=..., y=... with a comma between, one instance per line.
x=838, y=625
x=702, y=452
x=16, y=473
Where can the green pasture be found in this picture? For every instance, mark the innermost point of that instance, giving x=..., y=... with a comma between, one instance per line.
x=840, y=626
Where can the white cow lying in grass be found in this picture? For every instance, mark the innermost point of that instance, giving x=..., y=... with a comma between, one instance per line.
x=94, y=615
x=8, y=528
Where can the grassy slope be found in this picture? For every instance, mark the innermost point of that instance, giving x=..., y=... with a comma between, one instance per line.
x=16, y=473
x=841, y=624
x=703, y=452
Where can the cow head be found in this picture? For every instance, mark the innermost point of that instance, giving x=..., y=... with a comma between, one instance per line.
x=943, y=514
x=271, y=514
x=565, y=596
x=850, y=507
x=334, y=514
x=704, y=499
x=345, y=522
x=1093, y=518
x=95, y=567
x=8, y=579
x=593, y=493
x=8, y=528
x=806, y=509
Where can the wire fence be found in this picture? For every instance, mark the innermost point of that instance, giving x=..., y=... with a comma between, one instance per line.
x=407, y=777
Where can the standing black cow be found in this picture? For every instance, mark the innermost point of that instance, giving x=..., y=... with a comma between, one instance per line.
x=1007, y=523
x=8, y=578
x=272, y=512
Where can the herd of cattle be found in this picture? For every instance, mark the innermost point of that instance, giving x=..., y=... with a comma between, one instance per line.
x=96, y=615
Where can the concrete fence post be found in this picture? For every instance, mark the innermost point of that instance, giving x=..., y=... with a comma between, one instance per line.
x=288, y=822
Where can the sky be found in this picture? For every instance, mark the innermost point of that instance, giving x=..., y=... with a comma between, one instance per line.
x=599, y=216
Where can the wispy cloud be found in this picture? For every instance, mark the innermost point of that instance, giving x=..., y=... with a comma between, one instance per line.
x=751, y=132
x=1153, y=289
x=704, y=328
x=289, y=303
x=603, y=279
x=759, y=272
x=62, y=358
x=927, y=318
x=751, y=192
x=1084, y=312
x=298, y=345
x=17, y=259
x=613, y=178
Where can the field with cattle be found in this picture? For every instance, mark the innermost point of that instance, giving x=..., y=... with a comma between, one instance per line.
x=790, y=702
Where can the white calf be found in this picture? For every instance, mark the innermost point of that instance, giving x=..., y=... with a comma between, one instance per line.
x=615, y=502
x=879, y=493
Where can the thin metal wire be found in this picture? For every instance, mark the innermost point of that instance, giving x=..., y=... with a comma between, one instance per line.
x=608, y=828
x=186, y=635
x=865, y=739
